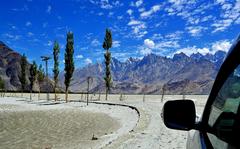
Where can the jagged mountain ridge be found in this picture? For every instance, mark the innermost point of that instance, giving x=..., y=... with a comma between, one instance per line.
x=193, y=74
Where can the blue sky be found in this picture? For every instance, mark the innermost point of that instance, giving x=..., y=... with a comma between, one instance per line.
x=139, y=27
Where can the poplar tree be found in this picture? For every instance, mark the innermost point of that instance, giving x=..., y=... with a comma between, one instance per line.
x=69, y=63
x=33, y=76
x=2, y=87
x=107, y=44
x=40, y=75
x=40, y=78
x=56, y=51
x=22, y=76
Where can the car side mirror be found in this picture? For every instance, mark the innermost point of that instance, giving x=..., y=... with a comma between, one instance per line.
x=179, y=114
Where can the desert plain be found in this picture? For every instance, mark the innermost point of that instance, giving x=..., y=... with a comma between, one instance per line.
x=123, y=121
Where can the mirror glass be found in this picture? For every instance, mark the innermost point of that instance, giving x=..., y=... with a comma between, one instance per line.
x=179, y=114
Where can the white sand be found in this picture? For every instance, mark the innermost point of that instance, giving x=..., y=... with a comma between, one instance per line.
x=67, y=125
x=148, y=131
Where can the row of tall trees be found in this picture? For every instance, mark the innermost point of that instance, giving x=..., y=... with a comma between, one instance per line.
x=37, y=73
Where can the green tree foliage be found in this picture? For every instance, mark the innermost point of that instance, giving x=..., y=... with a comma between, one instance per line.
x=33, y=76
x=69, y=63
x=40, y=73
x=56, y=51
x=2, y=86
x=22, y=76
x=107, y=44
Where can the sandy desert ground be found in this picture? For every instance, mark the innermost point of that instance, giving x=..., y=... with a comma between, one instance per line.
x=48, y=124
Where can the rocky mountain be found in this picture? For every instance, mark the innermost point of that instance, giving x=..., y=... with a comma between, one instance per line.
x=193, y=74
x=180, y=74
x=10, y=69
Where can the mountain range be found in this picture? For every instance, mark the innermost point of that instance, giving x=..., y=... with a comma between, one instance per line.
x=180, y=74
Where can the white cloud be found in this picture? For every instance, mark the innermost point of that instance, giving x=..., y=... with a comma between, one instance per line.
x=134, y=22
x=25, y=8
x=237, y=21
x=110, y=14
x=12, y=37
x=149, y=43
x=116, y=44
x=230, y=14
x=195, y=30
x=105, y=4
x=175, y=35
x=141, y=9
x=221, y=25
x=223, y=45
x=88, y=61
x=50, y=43
x=119, y=17
x=100, y=14
x=190, y=50
x=139, y=3
x=30, y=34
x=154, y=9
x=49, y=9
x=13, y=27
x=79, y=56
x=95, y=43
x=130, y=12
x=157, y=36
x=167, y=44
x=145, y=51
x=138, y=28
x=28, y=23
x=147, y=47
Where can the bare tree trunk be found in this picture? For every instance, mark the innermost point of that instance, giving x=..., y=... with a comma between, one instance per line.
x=3, y=93
x=88, y=91
x=55, y=93
x=31, y=94
x=184, y=96
x=66, y=97
x=106, y=94
x=99, y=96
x=81, y=96
x=163, y=92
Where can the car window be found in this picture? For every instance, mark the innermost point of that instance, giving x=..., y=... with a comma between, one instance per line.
x=227, y=101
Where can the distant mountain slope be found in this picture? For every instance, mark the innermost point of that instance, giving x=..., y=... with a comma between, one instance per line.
x=193, y=74
x=10, y=69
x=180, y=74
x=9, y=66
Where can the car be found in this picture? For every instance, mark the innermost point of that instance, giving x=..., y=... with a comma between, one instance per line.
x=219, y=125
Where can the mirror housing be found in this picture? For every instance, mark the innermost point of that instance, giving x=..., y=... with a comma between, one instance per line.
x=179, y=114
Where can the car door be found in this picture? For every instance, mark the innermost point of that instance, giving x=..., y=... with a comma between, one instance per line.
x=221, y=117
